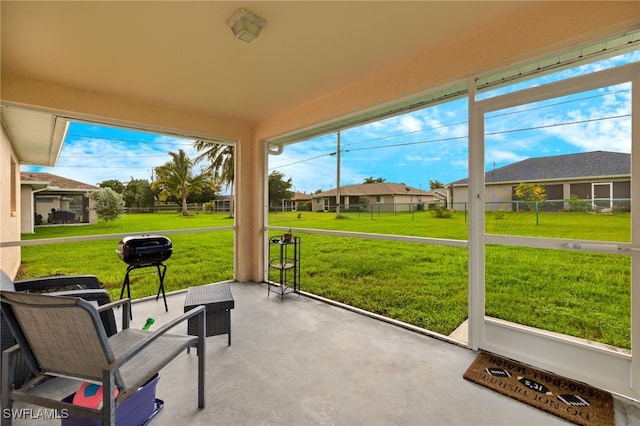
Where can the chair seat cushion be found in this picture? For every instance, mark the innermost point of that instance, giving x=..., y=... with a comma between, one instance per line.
x=141, y=368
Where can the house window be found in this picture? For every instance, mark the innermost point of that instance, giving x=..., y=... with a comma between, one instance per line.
x=554, y=192
x=379, y=199
x=555, y=198
x=580, y=190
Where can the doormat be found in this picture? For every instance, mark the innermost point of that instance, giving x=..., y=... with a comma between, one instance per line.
x=573, y=401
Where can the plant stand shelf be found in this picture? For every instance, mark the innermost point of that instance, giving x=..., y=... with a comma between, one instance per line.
x=284, y=266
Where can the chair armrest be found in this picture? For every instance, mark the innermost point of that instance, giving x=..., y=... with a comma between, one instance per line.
x=126, y=309
x=58, y=283
x=116, y=303
x=200, y=310
x=8, y=371
x=154, y=335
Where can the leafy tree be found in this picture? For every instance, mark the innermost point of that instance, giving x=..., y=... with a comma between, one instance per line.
x=279, y=189
x=109, y=205
x=206, y=195
x=177, y=178
x=372, y=180
x=114, y=184
x=222, y=162
x=138, y=194
x=433, y=184
x=530, y=193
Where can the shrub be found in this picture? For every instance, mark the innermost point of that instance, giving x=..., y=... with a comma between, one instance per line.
x=441, y=212
x=109, y=205
x=577, y=204
x=499, y=214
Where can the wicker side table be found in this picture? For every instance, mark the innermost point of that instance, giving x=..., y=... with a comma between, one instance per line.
x=218, y=303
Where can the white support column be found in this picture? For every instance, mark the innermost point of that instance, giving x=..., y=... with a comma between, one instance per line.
x=338, y=176
x=476, y=222
x=635, y=235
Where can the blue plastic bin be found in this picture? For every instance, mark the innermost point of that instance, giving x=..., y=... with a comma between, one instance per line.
x=136, y=410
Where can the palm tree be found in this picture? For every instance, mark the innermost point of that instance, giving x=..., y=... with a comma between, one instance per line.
x=221, y=163
x=372, y=180
x=176, y=178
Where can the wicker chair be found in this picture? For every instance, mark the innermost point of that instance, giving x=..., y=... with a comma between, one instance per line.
x=64, y=336
x=86, y=286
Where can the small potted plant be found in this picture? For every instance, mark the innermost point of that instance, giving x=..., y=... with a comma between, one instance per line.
x=286, y=237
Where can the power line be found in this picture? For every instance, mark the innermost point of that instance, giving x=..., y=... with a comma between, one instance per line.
x=304, y=160
x=598, y=95
x=458, y=138
x=178, y=143
x=590, y=120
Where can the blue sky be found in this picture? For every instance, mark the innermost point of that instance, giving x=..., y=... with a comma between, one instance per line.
x=429, y=144
x=93, y=153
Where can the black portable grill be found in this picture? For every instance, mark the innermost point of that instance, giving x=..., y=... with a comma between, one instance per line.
x=144, y=249
x=142, y=252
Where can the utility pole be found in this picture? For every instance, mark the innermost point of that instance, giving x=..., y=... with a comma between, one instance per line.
x=338, y=177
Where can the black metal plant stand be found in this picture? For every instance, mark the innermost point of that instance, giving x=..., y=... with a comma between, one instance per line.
x=284, y=266
x=162, y=270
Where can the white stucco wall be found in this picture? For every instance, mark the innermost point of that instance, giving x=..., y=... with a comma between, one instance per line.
x=9, y=215
x=498, y=197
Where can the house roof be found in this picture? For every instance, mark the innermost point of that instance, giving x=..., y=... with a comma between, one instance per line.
x=561, y=167
x=369, y=189
x=54, y=183
x=302, y=196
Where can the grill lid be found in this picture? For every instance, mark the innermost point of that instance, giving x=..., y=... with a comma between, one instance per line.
x=142, y=249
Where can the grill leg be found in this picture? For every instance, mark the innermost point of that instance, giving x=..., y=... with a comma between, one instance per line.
x=125, y=283
x=161, y=287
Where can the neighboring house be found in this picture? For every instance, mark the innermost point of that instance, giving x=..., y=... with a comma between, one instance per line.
x=381, y=196
x=602, y=177
x=300, y=200
x=51, y=199
x=297, y=202
x=222, y=203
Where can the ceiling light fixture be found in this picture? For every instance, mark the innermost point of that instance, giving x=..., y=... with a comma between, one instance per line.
x=245, y=25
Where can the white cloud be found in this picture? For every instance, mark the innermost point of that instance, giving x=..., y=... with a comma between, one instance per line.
x=428, y=144
x=93, y=159
x=422, y=159
x=308, y=164
x=499, y=156
x=409, y=123
x=601, y=125
x=461, y=164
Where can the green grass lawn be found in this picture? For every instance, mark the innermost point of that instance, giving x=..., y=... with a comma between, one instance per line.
x=424, y=285
x=197, y=258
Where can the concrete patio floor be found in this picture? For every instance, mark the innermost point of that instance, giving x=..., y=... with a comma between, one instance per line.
x=304, y=362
